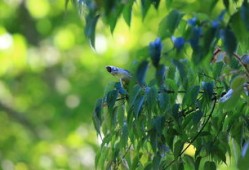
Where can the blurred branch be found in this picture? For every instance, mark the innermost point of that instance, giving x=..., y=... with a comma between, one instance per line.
x=18, y=117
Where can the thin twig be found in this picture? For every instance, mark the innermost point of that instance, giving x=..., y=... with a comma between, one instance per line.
x=238, y=58
x=195, y=137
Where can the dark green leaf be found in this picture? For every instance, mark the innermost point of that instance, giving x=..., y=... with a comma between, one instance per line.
x=230, y=42
x=112, y=19
x=133, y=94
x=111, y=99
x=218, y=69
x=141, y=72
x=178, y=146
x=148, y=166
x=226, y=3
x=181, y=69
x=244, y=12
x=97, y=120
x=151, y=99
x=163, y=101
x=191, y=96
x=208, y=88
x=197, y=117
x=208, y=41
x=145, y=7
x=156, y=3
x=209, y=165
x=197, y=162
x=138, y=105
x=156, y=162
x=124, y=136
x=168, y=24
x=160, y=75
x=136, y=161
x=238, y=27
x=127, y=13
x=91, y=22
x=154, y=140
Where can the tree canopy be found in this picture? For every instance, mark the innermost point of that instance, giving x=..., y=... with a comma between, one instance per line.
x=186, y=106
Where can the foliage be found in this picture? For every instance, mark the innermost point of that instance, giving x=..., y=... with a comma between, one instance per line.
x=194, y=110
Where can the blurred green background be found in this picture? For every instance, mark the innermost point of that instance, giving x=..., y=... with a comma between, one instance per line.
x=50, y=79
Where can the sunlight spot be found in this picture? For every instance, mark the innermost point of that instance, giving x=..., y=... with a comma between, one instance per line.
x=45, y=162
x=38, y=9
x=6, y=41
x=87, y=156
x=72, y=101
x=100, y=44
x=7, y=165
x=62, y=85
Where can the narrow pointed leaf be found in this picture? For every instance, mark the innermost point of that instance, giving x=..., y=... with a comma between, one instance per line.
x=141, y=72
x=168, y=24
x=91, y=22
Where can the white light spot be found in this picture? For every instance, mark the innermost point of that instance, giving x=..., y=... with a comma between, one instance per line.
x=100, y=44
x=72, y=101
x=6, y=41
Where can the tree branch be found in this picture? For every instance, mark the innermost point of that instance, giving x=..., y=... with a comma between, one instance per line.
x=196, y=136
x=17, y=116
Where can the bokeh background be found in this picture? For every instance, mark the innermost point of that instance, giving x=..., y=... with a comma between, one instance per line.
x=50, y=79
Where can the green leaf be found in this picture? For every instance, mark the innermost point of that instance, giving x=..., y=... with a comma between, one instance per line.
x=208, y=88
x=243, y=162
x=168, y=24
x=209, y=37
x=111, y=99
x=133, y=94
x=156, y=3
x=181, y=69
x=190, y=97
x=230, y=42
x=136, y=161
x=138, y=105
x=226, y=3
x=244, y=12
x=145, y=7
x=127, y=13
x=121, y=114
x=91, y=22
x=197, y=117
x=218, y=69
x=114, y=16
x=160, y=75
x=153, y=139
x=141, y=72
x=156, y=162
x=178, y=146
x=238, y=28
x=97, y=120
x=163, y=101
x=124, y=136
x=238, y=82
x=209, y=165
x=151, y=96
x=197, y=162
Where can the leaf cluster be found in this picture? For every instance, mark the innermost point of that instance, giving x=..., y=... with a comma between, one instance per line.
x=197, y=98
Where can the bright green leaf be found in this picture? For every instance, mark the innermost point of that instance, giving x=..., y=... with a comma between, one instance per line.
x=168, y=24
